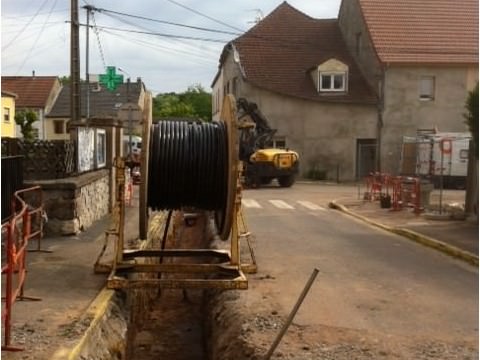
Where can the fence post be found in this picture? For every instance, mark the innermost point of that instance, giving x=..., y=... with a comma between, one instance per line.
x=8, y=288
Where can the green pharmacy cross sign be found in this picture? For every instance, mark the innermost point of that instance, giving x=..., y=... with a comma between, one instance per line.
x=111, y=79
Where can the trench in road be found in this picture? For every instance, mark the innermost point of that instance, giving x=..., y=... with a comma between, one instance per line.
x=173, y=329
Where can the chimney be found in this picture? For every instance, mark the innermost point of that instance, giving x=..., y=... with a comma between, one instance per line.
x=33, y=73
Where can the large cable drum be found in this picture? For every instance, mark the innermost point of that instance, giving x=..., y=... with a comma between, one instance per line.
x=194, y=164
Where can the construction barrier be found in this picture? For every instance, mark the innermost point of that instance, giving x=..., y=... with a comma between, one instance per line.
x=16, y=233
x=377, y=184
x=406, y=193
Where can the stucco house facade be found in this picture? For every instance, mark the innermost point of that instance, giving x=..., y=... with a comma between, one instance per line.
x=8, y=127
x=35, y=93
x=300, y=73
x=395, y=67
x=421, y=57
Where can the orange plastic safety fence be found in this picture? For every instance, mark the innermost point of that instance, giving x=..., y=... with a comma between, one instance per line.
x=15, y=240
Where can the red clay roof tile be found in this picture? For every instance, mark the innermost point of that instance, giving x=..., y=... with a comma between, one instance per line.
x=32, y=91
x=426, y=31
x=278, y=53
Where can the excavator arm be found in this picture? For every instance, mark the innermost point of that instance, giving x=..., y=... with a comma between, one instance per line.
x=256, y=132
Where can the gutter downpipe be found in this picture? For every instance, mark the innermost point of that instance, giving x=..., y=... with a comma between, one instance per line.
x=380, y=109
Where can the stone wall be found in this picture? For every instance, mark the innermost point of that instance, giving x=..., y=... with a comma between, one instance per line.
x=74, y=204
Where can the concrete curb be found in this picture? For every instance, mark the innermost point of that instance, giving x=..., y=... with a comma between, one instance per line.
x=96, y=311
x=412, y=235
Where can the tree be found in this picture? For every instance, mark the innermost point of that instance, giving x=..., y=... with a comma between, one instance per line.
x=195, y=102
x=25, y=119
x=471, y=116
x=65, y=80
x=165, y=105
x=200, y=100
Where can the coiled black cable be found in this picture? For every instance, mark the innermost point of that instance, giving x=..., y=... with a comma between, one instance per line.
x=188, y=165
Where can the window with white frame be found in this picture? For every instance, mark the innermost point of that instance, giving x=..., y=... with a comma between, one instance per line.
x=331, y=76
x=101, y=147
x=332, y=81
x=426, y=88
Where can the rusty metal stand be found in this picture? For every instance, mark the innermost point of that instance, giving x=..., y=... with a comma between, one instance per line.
x=251, y=267
x=219, y=268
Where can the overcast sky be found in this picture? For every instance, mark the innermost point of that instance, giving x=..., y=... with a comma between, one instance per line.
x=35, y=35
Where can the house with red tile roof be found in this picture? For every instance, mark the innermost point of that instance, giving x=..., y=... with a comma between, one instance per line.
x=300, y=73
x=36, y=93
x=421, y=57
x=345, y=92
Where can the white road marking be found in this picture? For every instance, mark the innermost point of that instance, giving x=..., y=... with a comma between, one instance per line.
x=281, y=204
x=311, y=206
x=250, y=203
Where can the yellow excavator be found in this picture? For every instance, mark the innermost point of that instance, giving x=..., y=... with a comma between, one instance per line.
x=262, y=164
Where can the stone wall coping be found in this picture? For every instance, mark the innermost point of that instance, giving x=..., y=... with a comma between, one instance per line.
x=74, y=182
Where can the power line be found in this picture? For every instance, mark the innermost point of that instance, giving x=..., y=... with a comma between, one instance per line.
x=205, y=16
x=158, y=47
x=100, y=49
x=168, y=22
x=161, y=34
x=34, y=27
x=18, y=51
x=23, y=16
x=38, y=36
x=28, y=23
x=161, y=47
x=37, y=51
x=172, y=41
x=274, y=41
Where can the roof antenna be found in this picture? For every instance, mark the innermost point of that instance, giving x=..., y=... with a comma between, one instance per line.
x=258, y=17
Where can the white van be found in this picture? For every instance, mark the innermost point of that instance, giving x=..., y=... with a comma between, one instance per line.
x=441, y=157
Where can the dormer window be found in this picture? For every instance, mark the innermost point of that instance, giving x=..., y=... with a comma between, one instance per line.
x=329, y=81
x=331, y=76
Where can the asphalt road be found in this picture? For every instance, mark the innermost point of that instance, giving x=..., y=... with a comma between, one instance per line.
x=369, y=279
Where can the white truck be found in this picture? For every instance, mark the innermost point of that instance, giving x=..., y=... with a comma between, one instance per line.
x=441, y=157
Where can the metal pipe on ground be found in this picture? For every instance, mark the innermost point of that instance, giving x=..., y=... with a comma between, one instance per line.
x=294, y=311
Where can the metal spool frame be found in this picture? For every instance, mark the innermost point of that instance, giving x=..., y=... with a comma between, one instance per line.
x=224, y=270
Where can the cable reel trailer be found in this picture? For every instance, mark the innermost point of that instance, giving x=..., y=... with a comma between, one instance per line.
x=188, y=165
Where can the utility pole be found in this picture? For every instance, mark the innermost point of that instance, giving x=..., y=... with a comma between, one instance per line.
x=75, y=113
x=89, y=10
